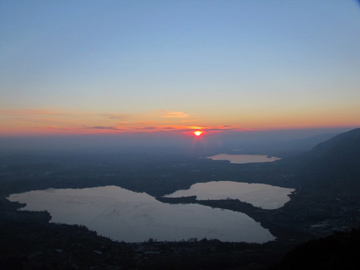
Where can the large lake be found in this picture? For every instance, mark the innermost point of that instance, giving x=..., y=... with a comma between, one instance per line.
x=242, y=159
x=124, y=215
x=260, y=195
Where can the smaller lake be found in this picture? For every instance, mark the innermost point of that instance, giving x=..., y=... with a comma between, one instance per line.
x=260, y=195
x=243, y=159
x=128, y=216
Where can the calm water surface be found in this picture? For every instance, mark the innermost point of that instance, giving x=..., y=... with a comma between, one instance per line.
x=124, y=215
x=242, y=159
x=260, y=195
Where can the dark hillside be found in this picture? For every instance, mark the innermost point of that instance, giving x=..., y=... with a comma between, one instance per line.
x=335, y=163
x=329, y=177
x=342, y=143
x=338, y=251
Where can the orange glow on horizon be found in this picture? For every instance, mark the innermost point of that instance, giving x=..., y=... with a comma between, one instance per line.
x=53, y=122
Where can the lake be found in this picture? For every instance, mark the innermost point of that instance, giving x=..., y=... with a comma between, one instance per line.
x=128, y=216
x=260, y=195
x=243, y=159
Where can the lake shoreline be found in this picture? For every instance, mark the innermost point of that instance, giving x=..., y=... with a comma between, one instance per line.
x=123, y=215
x=259, y=195
x=243, y=158
x=283, y=232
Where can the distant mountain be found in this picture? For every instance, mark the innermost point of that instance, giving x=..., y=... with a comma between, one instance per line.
x=344, y=145
x=306, y=144
x=335, y=160
x=280, y=146
x=329, y=181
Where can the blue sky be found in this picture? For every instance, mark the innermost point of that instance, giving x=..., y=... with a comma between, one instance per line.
x=245, y=64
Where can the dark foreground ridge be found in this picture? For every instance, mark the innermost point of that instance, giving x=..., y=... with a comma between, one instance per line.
x=341, y=250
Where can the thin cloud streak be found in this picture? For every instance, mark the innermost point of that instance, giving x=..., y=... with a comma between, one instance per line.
x=32, y=112
x=46, y=112
x=115, y=116
x=172, y=114
x=103, y=127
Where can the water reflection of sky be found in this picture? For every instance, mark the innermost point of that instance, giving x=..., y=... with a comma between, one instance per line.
x=134, y=217
x=260, y=195
x=243, y=159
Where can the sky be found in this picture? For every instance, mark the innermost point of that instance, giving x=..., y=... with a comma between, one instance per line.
x=88, y=67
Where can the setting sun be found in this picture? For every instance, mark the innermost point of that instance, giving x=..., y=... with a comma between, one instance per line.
x=198, y=133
